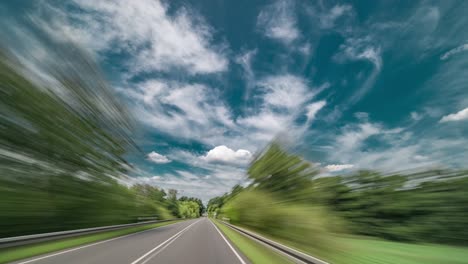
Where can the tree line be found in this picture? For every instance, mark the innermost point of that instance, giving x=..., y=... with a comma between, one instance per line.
x=425, y=206
x=63, y=137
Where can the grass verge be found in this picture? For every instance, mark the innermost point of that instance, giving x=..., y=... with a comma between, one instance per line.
x=367, y=250
x=26, y=251
x=254, y=251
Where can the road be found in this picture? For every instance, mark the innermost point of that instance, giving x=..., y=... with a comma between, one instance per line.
x=193, y=241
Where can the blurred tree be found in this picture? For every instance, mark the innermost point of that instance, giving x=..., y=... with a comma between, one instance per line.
x=172, y=202
x=284, y=174
x=196, y=200
x=427, y=206
x=63, y=138
x=189, y=209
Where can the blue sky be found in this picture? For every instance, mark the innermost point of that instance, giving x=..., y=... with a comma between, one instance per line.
x=347, y=84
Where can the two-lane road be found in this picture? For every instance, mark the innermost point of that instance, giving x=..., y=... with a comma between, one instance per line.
x=194, y=241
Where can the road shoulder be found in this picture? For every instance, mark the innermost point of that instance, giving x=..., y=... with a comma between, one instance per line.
x=254, y=251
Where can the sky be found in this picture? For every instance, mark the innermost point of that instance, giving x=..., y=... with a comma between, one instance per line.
x=346, y=84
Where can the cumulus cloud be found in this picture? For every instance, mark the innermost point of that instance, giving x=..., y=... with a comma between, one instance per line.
x=461, y=115
x=338, y=167
x=223, y=154
x=155, y=40
x=278, y=21
x=157, y=158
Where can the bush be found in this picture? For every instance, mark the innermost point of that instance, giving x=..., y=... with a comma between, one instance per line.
x=303, y=226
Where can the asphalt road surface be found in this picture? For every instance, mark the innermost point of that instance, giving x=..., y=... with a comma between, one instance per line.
x=194, y=241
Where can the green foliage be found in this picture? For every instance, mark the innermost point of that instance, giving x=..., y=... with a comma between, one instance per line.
x=189, y=209
x=151, y=199
x=427, y=207
x=216, y=203
x=362, y=250
x=287, y=202
x=201, y=207
x=274, y=203
x=281, y=173
x=295, y=223
x=62, y=147
x=172, y=204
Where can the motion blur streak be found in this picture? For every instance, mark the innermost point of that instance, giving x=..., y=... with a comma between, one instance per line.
x=288, y=200
x=63, y=136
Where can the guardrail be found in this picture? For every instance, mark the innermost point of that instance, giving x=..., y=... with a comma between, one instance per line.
x=297, y=255
x=29, y=239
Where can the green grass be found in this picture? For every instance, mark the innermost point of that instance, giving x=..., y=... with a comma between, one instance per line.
x=254, y=251
x=366, y=251
x=26, y=251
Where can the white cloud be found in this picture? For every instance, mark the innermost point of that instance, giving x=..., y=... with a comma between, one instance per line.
x=284, y=98
x=187, y=111
x=454, y=51
x=285, y=91
x=361, y=49
x=245, y=60
x=352, y=138
x=215, y=182
x=327, y=20
x=393, y=149
x=187, y=175
x=313, y=109
x=278, y=21
x=155, y=40
x=157, y=158
x=305, y=49
x=363, y=116
x=415, y=116
x=196, y=112
x=223, y=154
x=265, y=125
x=461, y=115
x=338, y=167
x=420, y=157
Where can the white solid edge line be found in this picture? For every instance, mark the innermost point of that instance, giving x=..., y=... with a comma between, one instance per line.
x=227, y=242
x=85, y=246
x=295, y=260
x=162, y=244
x=276, y=243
